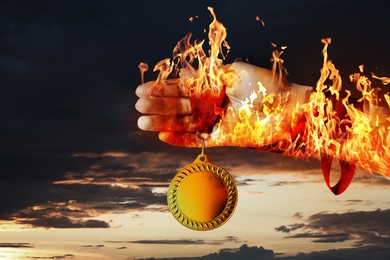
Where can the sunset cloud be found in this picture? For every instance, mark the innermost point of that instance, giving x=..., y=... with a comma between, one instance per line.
x=16, y=245
x=74, y=205
x=243, y=252
x=288, y=229
x=360, y=253
x=93, y=246
x=259, y=252
x=231, y=239
x=285, y=183
x=65, y=256
x=63, y=222
x=368, y=228
x=118, y=182
x=101, y=155
x=322, y=237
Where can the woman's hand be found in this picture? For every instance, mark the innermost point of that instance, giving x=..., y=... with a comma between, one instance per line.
x=169, y=110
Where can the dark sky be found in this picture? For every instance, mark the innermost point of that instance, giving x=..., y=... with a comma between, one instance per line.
x=68, y=71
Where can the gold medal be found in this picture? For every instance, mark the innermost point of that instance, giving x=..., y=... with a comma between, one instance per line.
x=202, y=195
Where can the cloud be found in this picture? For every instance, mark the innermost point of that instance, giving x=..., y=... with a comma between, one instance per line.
x=52, y=257
x=260, y=253
x=365, y=228
x=285, y=183
x=246, y=162
x=243, y=252
x=16, y=245
x=93, y=246
x=147, y=168
x=298, y=215
x=232, y=239
x=288, y=229
x=354, y=201
x=101, y=155
x=323, y=238
x=105, y=182
x=169, y=242
x=118, y=182
x=361, y=253
x=108, y=182
x=357, y=202
x=62, y=222
x=227, y=239
x=72, y=205
x=245, y=181
x=371, y=179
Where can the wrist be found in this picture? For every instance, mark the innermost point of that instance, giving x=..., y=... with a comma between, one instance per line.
x=295, y=112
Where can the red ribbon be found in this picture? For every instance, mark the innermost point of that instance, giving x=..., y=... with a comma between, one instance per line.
x=346, y=175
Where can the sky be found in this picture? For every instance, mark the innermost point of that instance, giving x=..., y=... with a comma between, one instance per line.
x=79, y=180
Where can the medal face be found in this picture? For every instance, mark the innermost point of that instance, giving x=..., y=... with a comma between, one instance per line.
x=202, y=195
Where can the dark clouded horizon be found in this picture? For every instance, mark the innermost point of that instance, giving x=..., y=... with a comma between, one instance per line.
x=231, y=239
x=74, y=165
x=254, y=252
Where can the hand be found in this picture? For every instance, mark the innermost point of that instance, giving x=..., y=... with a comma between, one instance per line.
x=169, y=109
x=277, y=111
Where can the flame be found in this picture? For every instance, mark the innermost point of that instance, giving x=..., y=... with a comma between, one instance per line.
x=260, y=20
x=329, y=124
x=203, y=80
x=335, y=126
x=208, y=75
x=357, y=136
x=143, y=67
x=278, y=62
x=385, y=80
x=191, y=19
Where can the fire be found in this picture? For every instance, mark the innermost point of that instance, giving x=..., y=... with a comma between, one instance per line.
x=385, y=80
x=208, y=75
x=204, y=81
x=260, y=20
x=143, y=67
x=329, y=124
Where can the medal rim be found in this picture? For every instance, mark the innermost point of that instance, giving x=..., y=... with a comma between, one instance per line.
x=193, y=168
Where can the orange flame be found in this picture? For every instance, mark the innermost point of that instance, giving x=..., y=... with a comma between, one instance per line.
x=328, y=125
x=143, y=67
x=356, y=137
x=385, y=80
x=205, y=80
x=260, y=20
x=278, y=62
x=208, y=75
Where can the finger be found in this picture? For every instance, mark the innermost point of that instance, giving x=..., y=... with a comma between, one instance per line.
x=168, y=88
x=167, y=123
x=180, y=139
x=164, y=106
